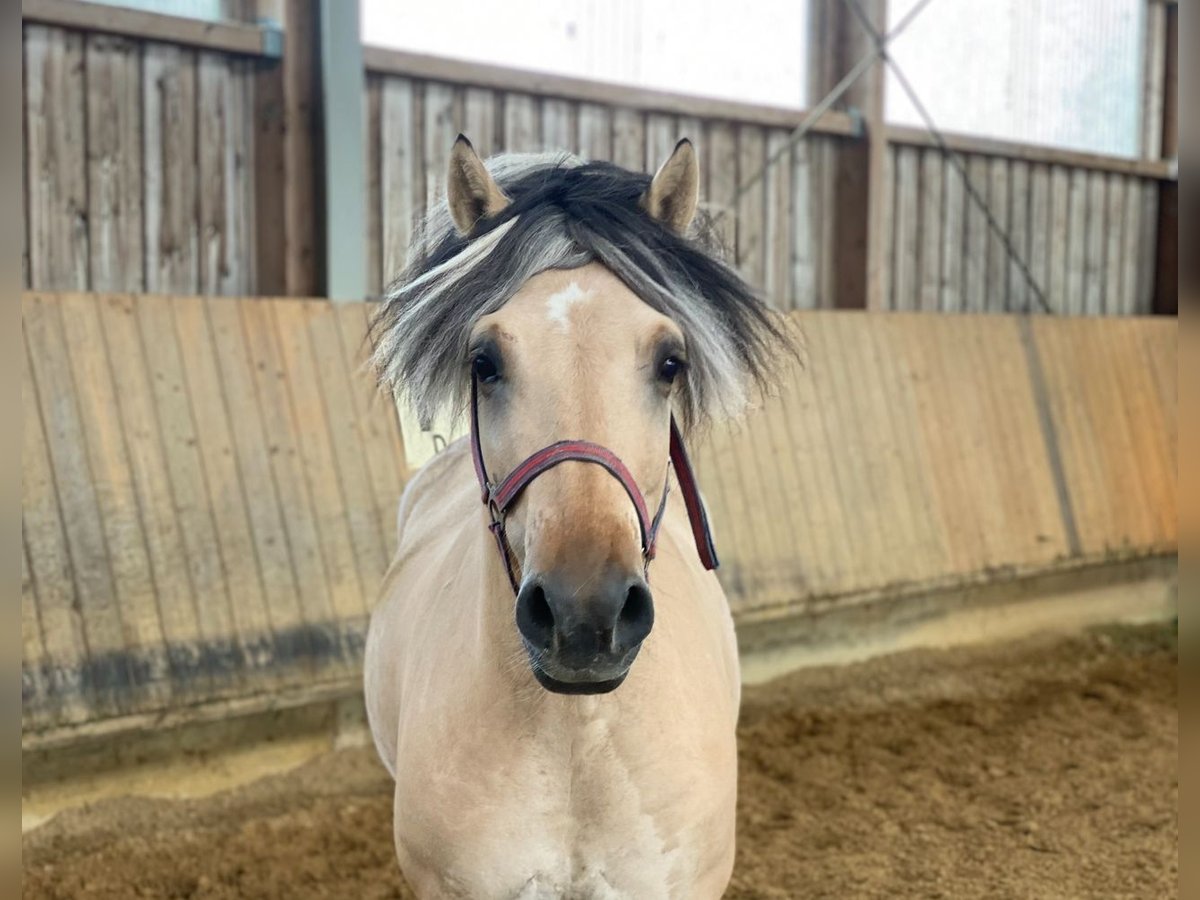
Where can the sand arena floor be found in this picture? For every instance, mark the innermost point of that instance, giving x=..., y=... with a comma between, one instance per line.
x=1045, y=768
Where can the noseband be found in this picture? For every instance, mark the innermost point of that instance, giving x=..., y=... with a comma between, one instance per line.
x=500, y=498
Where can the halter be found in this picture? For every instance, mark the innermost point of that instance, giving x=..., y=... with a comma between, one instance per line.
x=499, y=498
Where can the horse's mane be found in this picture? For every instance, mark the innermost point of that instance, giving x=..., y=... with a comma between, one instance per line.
x=564, y=214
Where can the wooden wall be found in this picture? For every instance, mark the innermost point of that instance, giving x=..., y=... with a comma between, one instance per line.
x=210, y=485
x=777, y=230
x=139, y=165
x=1087, y=233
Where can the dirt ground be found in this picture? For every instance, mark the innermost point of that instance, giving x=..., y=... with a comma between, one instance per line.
x=1045, y=768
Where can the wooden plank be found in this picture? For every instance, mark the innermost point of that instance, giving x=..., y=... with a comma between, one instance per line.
x=887, y=215
x=1020, y=298
x=522, y=128
x=779, y=238
x=1131, y=245
x=1033, y=153
x=806, y=225
x=907, y=230
x=661, y=137
x=56, y=148
x=101, y=403
x=595, y=131
x=1060, y=228
x=181, y=524
x=107, y=673
x=1039, y=232
x=954, y=203
x=443, y=123
x=161, y=520
x=301, y=102
x=277, y=409
x=997, y=254
x=1076, y=244
x=480, y=120
x=722, y=174
x=71, y=696
x=975, y=252
x=339, y=387
x=751, y=215
x=629, y=139
x=114, y=175
x=37, y=703
x=229, y=37
x=560, y=129
x=311, y=420
x=271, y=249
x=403, y=186
x=1146, y=248
x=930, y=262
x=169, y=152
x=825, y=178
x=240, y=553
x=1097, y=229
x=378, y=421
x=220, y=159
x=387, y=61
x=253, y=451
x=373, y=144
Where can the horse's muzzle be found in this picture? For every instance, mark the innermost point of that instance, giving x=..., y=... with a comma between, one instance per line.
x=583, y=638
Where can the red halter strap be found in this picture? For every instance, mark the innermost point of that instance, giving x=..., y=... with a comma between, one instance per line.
x=499, y=498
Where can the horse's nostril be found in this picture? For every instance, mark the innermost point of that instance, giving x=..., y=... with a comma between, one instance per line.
x=535, y=618
x=636, y=617
x=540, y=613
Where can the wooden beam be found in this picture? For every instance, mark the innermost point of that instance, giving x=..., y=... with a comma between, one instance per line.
x=1163, y=170
x=230, y=37
x=418, y=65
x=303, y=200
x=1166, y=275
x=838, y=41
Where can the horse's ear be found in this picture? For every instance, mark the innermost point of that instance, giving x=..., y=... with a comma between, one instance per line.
x=471, y=192
x=675, y=190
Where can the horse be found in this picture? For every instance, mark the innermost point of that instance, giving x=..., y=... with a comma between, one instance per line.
x=551, y=675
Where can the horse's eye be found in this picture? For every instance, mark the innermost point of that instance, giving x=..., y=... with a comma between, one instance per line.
x=484, y=369
x=670, y=368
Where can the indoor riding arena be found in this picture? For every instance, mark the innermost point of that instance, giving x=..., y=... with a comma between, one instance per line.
x=949, y=538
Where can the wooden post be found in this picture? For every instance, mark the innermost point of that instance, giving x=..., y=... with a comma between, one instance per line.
x=288, y=171
x=1166, y=276
x=838, y=41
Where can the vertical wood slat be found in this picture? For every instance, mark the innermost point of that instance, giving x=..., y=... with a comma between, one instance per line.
x=1077, y=226
x=522, y=125
x=780, y=239
x=69, y=695
x=629, y=139
x=1114, y=264
x=997, y=255
x=751, y=219
x=443, y=123
x=1019, y=297
x=560, y=130
x=56, y=148
x=930, y=263
x=1060, y=228
x=1093, y=269
x=806, y=224
x=169, y=134
x=402, y=185
x=241, y=529
x=661, y=135
x=1040, y=230
x=595, y=131
x=161, y=520
x=954, y=204
x=907, y=230
x=480, y=120
x=114, y=175
x=102, y=403
x=975, y=252
x=722, y=179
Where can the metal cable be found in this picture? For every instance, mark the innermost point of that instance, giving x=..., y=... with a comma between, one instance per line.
x=810, y=119
x=954, y=158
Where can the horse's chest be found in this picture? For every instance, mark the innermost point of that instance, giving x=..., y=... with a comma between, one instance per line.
x=582, y=817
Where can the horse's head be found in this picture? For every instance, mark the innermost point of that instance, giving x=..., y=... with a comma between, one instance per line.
x=574, y=300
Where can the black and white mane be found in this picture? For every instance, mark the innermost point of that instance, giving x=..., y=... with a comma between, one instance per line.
x=564, y=214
